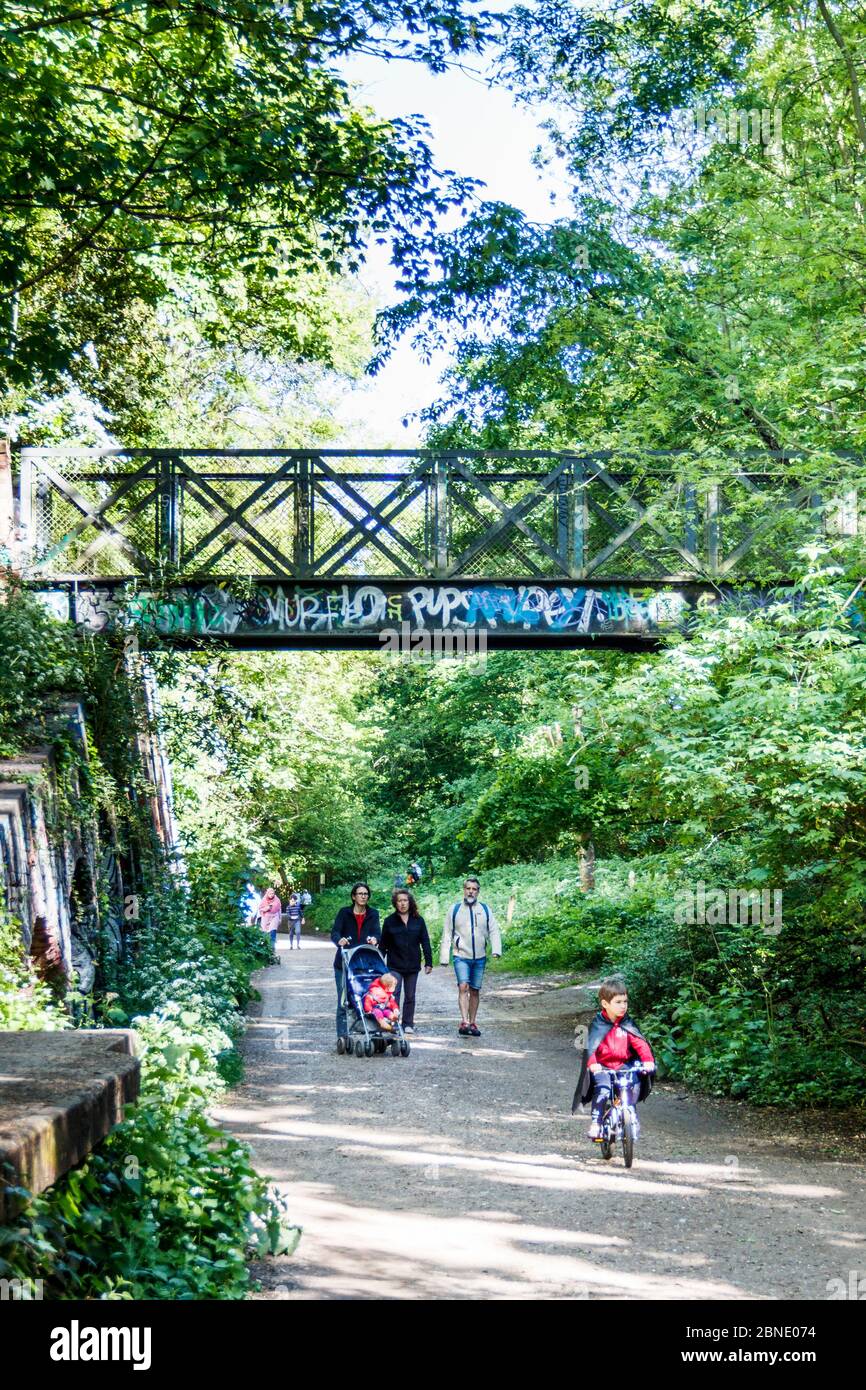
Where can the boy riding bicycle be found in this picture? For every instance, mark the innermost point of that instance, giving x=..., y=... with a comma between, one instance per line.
x=613, y=1044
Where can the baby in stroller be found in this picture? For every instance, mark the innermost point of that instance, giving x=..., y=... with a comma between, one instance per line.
x=380, y=1002
x=373, y=1014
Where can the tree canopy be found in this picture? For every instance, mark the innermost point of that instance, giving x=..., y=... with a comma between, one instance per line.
x=206, y=155
x=708, y=290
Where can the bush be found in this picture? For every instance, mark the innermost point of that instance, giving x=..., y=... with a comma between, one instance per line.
x=570, y=936
x=168, y=1206
x=201, y=966
x=731, y=1044
x=41, y=660
x=26, y=1004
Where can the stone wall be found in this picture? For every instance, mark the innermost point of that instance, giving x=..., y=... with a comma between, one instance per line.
x=33, y=870
x=60, y=1094
x=57, y=861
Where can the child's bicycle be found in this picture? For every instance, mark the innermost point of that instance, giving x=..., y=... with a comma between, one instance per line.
x=619, y=1120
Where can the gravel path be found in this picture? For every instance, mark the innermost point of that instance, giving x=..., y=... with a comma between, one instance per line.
x=459, y=1171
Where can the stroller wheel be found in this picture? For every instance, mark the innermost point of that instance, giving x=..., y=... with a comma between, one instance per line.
x=359, y=1047
x=368, y=1048
x=404, y=1048
x=341, y=1045
x=395, y=1048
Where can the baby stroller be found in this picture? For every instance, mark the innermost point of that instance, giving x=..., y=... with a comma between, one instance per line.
x=361, y=966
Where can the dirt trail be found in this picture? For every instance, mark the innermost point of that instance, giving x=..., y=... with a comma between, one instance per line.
x=459, y=1171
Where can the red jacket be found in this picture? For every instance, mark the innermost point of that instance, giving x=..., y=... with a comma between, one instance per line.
x=616, y=1049
x=378, y=997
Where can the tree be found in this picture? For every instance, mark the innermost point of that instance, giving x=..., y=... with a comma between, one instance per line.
x=157, y=379
x=708, y=292
x=174, y=147
x=269, y=757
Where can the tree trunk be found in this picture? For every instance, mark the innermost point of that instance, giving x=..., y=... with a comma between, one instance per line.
x=587, y=866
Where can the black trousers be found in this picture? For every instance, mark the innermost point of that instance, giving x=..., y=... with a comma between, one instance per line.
x=410, y=981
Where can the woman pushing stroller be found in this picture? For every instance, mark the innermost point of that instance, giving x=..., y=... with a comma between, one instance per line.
x=356, y=925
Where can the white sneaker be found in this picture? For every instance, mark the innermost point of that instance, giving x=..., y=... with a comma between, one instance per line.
x=594, y=1130
x=410, y=1029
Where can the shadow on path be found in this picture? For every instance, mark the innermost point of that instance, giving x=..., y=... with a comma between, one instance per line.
x=459, y=1172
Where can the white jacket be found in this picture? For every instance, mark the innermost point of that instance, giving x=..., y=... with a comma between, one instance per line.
x=468, y=931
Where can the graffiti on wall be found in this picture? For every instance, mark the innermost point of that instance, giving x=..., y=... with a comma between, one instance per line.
x=320, y=610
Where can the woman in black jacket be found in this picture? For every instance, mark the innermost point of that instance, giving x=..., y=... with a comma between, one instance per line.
x=404, y=937
x=357, y=925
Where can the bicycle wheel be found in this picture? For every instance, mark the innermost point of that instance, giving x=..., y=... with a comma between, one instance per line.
x=609, y=1131
x=628, y=1137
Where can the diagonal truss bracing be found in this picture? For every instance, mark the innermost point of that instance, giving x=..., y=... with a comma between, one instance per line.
x=462, y=514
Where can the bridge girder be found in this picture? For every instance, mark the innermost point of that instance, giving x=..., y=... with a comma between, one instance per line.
x=399, y=616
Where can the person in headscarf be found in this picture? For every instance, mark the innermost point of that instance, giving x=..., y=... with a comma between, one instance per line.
x=270, y=911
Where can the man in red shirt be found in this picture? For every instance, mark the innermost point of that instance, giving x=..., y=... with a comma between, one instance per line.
x=614, y=1041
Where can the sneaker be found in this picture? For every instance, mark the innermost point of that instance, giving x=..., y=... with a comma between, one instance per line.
x=410, y=1030
x=595, y=1130
x=464, y=1030
x=475, y=1030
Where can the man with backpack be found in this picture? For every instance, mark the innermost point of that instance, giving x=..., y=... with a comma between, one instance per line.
x=469, y=928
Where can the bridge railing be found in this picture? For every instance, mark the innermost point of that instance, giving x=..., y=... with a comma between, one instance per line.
x=346, y=514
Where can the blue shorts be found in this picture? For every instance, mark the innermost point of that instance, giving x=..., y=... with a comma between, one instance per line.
x=470, y=972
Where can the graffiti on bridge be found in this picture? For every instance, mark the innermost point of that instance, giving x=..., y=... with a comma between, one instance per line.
x=278, y=609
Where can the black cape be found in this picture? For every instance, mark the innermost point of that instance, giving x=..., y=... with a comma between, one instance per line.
x=598, y=1031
